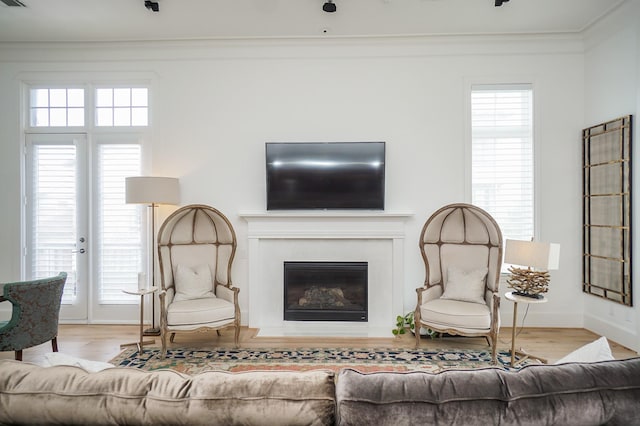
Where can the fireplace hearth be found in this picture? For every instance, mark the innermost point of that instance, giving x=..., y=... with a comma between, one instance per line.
x=325, y=291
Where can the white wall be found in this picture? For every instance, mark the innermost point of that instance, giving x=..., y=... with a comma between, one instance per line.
x=215, y=104
x=612, y=90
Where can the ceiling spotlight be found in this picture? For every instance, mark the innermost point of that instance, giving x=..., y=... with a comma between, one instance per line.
x=152, y=5
x=499, y=2
x=329, y=6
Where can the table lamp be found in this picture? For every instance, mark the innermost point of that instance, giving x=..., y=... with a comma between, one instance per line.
x=152, y=190
x=538, y=258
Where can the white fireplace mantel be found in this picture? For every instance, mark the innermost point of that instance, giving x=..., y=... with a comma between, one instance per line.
x=372, y=236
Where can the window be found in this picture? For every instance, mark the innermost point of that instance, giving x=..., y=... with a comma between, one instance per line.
x=502, y=180
x=56, y=107
x=121, y=107
x=119, y=226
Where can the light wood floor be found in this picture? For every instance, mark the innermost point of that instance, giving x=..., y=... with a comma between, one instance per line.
x=102, y=342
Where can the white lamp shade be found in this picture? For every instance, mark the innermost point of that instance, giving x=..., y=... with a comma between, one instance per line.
x=152, y=190
x=537, y=255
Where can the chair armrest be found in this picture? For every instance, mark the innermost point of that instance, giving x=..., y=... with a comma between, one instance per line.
x=426, y=294
x=230, y=294
x=166, y=297
x=495, y=310
x=491, y=297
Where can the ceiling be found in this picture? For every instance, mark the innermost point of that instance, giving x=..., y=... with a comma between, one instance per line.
x=124, y=20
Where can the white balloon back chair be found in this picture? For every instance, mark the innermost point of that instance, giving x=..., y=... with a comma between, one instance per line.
x=461, y=246
x=196, y=247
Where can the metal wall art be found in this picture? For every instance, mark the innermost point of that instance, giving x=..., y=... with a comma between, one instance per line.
x=606, y=183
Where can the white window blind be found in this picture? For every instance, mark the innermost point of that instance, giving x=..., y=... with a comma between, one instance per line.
x=54, y=193
x=502, y=156
x=120, y=228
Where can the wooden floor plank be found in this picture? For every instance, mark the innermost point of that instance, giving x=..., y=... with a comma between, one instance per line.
x=102, y=342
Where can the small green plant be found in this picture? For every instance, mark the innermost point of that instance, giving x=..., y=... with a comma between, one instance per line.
x=402, y=322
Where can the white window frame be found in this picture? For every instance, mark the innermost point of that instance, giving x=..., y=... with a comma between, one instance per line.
x=498, y=83
x=112, y=108
x=26, y=110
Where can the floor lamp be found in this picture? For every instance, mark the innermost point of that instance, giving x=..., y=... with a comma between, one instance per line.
x=152, y=190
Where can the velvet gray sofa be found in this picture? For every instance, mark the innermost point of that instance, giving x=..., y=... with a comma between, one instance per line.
x=570, y=394
x=581, y=394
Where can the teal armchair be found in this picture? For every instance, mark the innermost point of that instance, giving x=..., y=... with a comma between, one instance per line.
x=34, y=317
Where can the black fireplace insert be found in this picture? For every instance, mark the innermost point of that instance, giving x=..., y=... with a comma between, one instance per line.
x=325, y=291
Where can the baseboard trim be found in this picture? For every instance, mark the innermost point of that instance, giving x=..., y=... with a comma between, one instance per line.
x=613, y=331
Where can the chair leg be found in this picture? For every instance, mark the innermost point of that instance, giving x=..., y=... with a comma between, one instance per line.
x=236, y=336
x=163, y=338
x=416, y=328
x=173, y=336
x=18, y=355
x=54, y=344
x=218, y=331
x=494, y=348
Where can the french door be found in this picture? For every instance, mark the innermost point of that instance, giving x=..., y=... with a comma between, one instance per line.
x=56, y=216
x=76, y=221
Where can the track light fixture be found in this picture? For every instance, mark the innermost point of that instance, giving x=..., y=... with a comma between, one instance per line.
x=329, y=6
x=499, y=2
x=152, y=5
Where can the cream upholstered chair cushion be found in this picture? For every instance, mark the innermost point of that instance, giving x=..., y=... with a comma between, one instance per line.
x=465, y=286
x=199, y=311
x=467, y=317
x=461, y=246
x=196, y=246
x=193, y=283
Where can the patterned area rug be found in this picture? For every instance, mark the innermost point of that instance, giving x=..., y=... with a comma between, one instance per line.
x=365, y=360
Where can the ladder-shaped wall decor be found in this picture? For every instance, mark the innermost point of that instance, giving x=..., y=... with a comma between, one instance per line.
x=606, y=183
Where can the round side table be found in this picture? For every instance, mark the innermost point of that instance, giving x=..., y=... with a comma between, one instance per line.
x=516, y=298
x=142, y=293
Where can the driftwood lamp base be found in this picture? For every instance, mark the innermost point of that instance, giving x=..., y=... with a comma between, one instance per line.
x=527, y=282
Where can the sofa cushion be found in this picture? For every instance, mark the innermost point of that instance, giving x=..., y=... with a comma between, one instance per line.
x=30, y=394
x=570, y=394
x=456, y=314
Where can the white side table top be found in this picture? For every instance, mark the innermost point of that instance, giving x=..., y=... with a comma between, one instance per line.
x=142, y=292
x=524, y=299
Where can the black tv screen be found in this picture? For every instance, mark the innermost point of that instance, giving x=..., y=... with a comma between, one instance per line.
x=325, y=175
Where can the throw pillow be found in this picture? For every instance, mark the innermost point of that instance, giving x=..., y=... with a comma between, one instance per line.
x=595, y=351
x=57, y=358
x=193, y=283
x=465, y=286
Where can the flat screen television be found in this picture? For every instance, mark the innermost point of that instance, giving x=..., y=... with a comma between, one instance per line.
x=325, y=175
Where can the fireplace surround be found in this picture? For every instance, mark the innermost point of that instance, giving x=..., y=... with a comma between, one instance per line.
x=377, y=238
